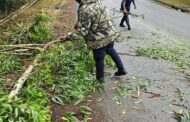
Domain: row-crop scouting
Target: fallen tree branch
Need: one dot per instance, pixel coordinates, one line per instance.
(24, 49)
(22, 45)
(9, 49)
(19, 54)
(28, 72)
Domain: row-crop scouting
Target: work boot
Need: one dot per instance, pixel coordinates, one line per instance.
(121, 25)
(120, 72)
(101, 80)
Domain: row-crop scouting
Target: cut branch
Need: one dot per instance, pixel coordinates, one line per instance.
(22, 45)
(18, 86)
(19, 54)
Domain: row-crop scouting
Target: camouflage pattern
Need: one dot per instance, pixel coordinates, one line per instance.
(94, 24)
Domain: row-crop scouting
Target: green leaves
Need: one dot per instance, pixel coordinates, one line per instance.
(86, 111)
(68, 71)
(57, 100)
(71, 116)
(9, 63)
(17, 110)
(177, 55)
(40, 31)
(158, 52)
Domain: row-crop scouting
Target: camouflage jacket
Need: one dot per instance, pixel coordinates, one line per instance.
(94, 24)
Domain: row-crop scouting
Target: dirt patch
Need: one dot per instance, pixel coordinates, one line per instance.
(97, 114)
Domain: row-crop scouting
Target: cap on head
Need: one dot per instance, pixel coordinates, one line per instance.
(78, 1)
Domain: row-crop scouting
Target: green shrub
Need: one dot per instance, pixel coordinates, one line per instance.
(40, 30)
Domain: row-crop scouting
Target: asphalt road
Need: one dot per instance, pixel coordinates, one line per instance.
(160, 26)
(161, 17)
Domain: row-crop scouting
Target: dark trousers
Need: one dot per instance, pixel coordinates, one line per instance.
(126, 19)
(99, 55)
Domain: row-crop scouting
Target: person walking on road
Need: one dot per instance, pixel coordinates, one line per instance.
(125, 8)
(95, 26)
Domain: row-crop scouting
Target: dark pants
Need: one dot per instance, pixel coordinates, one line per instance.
(99, 55)
(126, 18)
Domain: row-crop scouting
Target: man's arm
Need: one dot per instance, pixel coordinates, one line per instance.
(133, 1)
(124, 7)
(83, 26)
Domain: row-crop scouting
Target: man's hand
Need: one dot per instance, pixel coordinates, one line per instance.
(126, 12)
(135, 7)
(63, 39)
(75, 26)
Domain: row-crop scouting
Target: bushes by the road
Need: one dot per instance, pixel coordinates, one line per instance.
(7, 5)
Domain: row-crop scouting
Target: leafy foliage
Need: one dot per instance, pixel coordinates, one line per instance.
(67, 72)
(38, 32)
(71, 116)
(158, 52)
(9, 63)
(18, 110)
(172, 54)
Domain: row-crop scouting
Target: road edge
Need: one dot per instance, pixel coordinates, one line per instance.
(173, 6)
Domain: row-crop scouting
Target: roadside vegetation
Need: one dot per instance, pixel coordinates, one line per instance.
(8, 6)
(63, 75)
